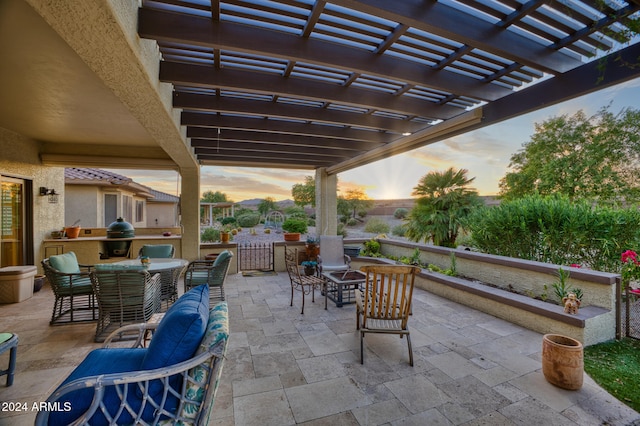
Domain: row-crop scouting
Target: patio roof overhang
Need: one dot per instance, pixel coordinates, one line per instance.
(301, 84)
(342, 83)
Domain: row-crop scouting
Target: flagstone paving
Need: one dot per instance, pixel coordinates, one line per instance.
(284, 368)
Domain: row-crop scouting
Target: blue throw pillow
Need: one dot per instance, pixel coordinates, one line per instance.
(180, 331)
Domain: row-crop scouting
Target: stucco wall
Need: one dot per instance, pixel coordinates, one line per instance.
(20, 159)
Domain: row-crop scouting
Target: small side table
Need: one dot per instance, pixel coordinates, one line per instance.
(9, 341)
(341, 286)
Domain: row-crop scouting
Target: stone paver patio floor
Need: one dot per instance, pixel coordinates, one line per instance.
(284, 368)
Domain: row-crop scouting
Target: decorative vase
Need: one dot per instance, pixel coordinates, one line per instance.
(312, 251)
(562, 361)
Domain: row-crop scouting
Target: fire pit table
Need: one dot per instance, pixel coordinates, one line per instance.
(341, 287)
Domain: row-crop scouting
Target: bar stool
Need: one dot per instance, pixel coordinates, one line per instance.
(9, 341)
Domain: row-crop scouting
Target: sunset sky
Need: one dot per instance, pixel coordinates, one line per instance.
(485, 153)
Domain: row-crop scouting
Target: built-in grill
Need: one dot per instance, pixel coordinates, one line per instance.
(117, 231)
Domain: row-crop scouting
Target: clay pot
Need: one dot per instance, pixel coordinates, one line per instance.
(72, 231)
(562, 361)
(224, 237)
(292, 236)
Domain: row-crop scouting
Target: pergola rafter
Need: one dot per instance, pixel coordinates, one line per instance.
(339, 83)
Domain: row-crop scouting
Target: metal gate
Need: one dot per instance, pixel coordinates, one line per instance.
(255, 256)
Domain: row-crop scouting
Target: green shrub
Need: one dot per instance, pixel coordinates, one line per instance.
(377, 226)
(228, 220)
(399, 230)
(342, 230)
(371, 248)
(249, 220)
(294, 224)
(400, 213)
(556, 230)
(352, 221)
(362, 213)
(295, 211)
(210, 235)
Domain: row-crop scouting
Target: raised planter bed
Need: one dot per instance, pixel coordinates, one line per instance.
(593, 324)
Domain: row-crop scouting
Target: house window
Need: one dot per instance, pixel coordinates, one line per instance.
(139, 211)
(127, 207)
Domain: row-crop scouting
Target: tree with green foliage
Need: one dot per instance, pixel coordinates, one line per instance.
(594, 158)
(266, 205)
(304, 193)
(445, 200)
(214, 197)
(357, 201)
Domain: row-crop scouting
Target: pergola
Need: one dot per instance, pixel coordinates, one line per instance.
(312, 84)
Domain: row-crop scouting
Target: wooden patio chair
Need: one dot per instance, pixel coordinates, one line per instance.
(385, 303)
(305, 283)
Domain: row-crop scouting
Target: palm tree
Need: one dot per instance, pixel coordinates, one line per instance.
(444, 201)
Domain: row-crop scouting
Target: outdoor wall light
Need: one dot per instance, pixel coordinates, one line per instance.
(51, 193)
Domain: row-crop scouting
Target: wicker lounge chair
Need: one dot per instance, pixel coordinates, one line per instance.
(125, 296)
(212, 272)
(71, 285)
(173, 381)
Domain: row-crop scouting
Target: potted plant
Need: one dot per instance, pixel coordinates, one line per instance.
(225, 233)
(293, 227)
(312, 246)
(309, 267)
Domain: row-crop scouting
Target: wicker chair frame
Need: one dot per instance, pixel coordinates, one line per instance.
(74, 297)
(211, 361)
(124, 297)
(213, 272)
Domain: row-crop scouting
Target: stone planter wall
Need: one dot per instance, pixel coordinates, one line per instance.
(595, 322)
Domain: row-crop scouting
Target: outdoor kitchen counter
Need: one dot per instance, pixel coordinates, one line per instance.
(88, 249)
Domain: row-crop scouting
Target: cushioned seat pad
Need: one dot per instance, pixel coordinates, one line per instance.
(100, 361)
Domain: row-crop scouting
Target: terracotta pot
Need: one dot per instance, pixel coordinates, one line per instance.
(562, 361)
(292, 236)
(224, 237)
(72, 231)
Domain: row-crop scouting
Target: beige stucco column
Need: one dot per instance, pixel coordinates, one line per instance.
(190, 213)
(326, 203)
